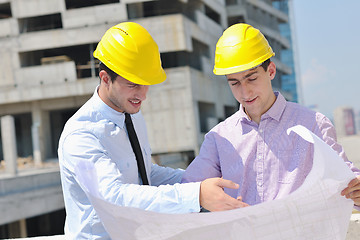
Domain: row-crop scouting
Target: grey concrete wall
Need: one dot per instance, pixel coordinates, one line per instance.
(26, 196)
(30, 8)
(83, 17)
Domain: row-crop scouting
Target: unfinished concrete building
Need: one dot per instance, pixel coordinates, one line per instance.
(47, 72)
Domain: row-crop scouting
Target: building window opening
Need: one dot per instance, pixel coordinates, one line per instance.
(184, 58)
(200, 48)
(70, 4)
(234, 20)
(212, 14)
(23, 123)
(58, 119)
(86, 65)
(5, 11)
(207, 116)
(48, 224)
(230, 110)
(159, 8)
(231, 2)
(40, 23)
(174, 159)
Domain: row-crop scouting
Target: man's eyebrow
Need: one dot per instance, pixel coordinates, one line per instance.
(131, 83)
(249, 74)
(232, 80)
(246, 76)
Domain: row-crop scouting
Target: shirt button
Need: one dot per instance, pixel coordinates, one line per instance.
(260, 130)
(259, 184)
(259, 157)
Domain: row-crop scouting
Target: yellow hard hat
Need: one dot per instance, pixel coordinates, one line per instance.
(129, 50)
(240, 48)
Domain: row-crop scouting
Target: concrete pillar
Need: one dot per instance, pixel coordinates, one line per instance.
(40, 131)
(17, 229)
(36, 136)
(22, 226)
(92, 62)
(8, 137)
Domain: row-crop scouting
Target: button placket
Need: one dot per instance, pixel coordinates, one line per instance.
(260, 161)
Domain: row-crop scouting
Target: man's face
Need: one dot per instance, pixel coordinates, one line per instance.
(252, 88)
(123, 95)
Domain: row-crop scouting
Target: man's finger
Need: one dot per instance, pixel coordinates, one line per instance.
(228, 184)
(230, 204)
(353, 182)
(238, 204)
(348, 190)
(354, 194)
(353, 185)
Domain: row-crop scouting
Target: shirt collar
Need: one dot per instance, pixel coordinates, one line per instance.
(274, 112)
(277, 108)
(243, 115)
(107, 112)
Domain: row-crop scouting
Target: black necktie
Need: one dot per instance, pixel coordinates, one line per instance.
(136, 148)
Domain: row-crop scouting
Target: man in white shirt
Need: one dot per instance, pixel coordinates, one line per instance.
(130, 62)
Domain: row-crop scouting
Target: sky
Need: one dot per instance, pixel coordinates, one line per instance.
(328, 53)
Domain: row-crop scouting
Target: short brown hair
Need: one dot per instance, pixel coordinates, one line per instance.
(266, 64)
(111, 73)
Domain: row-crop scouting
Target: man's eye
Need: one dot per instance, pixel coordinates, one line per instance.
(252, 79)
(234, 83)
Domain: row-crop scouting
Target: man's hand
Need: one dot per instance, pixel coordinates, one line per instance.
(353, 190)
(213, 197)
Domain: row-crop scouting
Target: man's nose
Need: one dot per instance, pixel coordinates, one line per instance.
(245, 90)
(142, 91)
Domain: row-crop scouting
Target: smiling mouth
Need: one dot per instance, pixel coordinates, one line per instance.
(135, 102)
(251, 100)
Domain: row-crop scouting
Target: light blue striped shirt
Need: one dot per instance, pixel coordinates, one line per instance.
(97, 133)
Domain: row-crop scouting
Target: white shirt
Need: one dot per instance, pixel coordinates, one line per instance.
(97, 133)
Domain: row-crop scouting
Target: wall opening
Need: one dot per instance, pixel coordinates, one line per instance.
(212, 14)
(40, 23)
(230, 110)
(49, 224)
(5, 10)
(184, 58)
(207, 116)
(58, 119)
(161, 7)
(234, 20)
(86, 65)
(70, 4)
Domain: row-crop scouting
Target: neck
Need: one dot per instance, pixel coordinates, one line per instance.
(257, 118)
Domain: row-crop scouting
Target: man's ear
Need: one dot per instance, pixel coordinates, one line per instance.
(272, 70)
(105, 78)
